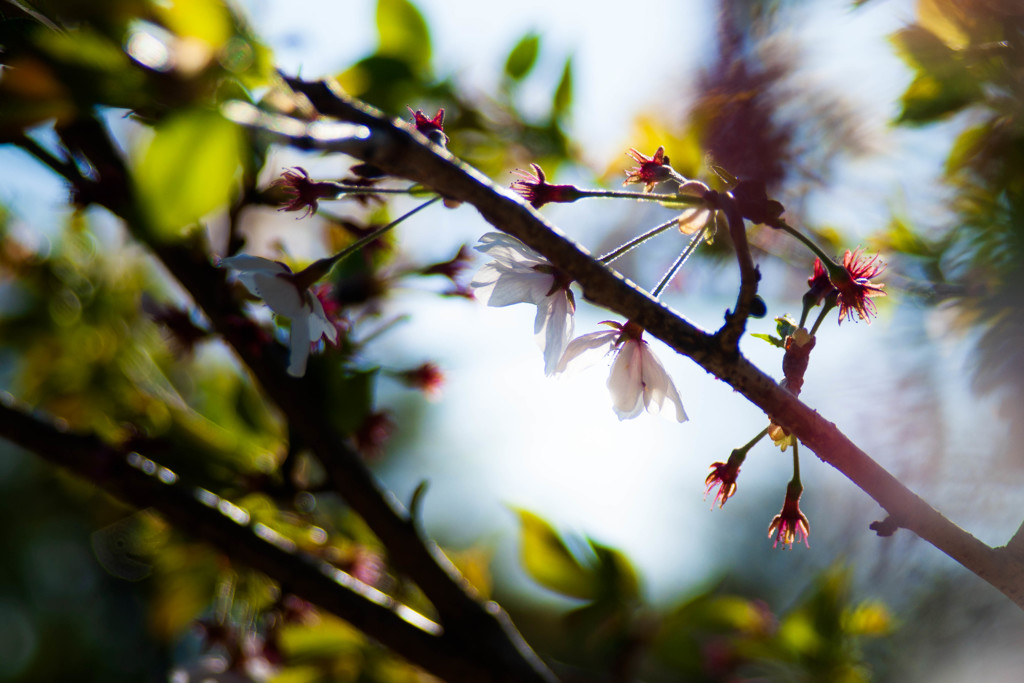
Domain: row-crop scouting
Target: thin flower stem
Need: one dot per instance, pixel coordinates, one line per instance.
(363, 241)
(690, 248)
(825, 259)
(753, 442)
(796, 465)
(686, 200)
(636, 242)
(415, 190)
(825, 308)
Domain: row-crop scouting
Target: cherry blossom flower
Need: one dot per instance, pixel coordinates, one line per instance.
(638, 380)
(723, 475)
(433, 128)
(301, 193)
(520, 275)
(534, 188)
(819, 286)
(853, 281)
(427, 377)
(274, 282)
(790, 526)
(651, 171)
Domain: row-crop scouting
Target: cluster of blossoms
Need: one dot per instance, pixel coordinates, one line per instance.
(637, 380)
(517, 274)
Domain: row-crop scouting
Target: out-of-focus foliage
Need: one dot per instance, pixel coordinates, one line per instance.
(968, 60)
(709, 636)
(493, 134)
(92, 333)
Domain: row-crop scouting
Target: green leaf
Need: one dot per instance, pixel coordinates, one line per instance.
(522, 57)
(403, 33)
(616, 576)
(928, 98)
(188, 170)
(774, 341)
(549, 561)
(562, 100)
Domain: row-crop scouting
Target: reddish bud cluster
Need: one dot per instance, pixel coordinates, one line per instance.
(534, 188)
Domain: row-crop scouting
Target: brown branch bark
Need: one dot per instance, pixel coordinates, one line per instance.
(490, 647)
(402, 152)
(406, 632)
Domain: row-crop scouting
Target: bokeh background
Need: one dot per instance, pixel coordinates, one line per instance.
(810, 97)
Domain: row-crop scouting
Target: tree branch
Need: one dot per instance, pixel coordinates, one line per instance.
(488, 643)
(144, 484)
(405, 154)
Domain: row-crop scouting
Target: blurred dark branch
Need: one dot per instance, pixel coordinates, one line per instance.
(735, 321)
(402, 152)
(490, 647)
(147, 485)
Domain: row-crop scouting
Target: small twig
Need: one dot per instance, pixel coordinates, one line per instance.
(736, 320)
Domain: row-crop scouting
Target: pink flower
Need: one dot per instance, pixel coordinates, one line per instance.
(433, 128)
(651, 171)
(301, 193)
(790, 526)
(723, 475)
(638, 380)
(853, 281)
(427, 377)
(534, 188)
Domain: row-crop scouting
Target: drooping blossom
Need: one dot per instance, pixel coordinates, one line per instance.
(535, 188)
(373, 434)
(695, 218)
(301, 193)
(818, 286)
(275, 283)
(723, 475)
(427, 377)
(853, 281)
(433, 128)
(637, 381)
(453, 267)
(651, 171)
(790, 526)
(520, 275)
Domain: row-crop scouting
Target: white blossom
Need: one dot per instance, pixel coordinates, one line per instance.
(637, 380)
(520, 275)
(272, 282)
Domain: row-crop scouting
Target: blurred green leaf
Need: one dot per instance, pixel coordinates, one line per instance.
(404, 34)
(617, 579)
(205, 20)
(522, 57)
(774, 341)
(549, 561)
(561, 103)
(188, 170)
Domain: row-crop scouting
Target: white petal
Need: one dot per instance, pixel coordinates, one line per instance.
(585, 350)
(658, 386)
(249, 266)
(283, 297)
(245, 263)
(299, 345)
(625, 381)
(553, 328)
(514, 287)
(508, 250)
(319, 324)
(693, 219)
